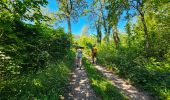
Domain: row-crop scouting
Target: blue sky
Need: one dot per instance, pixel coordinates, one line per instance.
(83, 21)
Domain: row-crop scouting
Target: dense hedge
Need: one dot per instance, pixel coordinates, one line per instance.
(35, 61)
(27, 48)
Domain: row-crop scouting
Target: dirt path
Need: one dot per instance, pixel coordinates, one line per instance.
(130, 91)
(80, 87)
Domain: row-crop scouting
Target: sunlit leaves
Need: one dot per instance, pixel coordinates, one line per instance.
(21, 9)
(71, 8)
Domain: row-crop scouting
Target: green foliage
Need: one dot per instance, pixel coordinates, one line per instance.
(131, 59)
(27, 56)
(34, 58)
(102, 87)
(33, 47)
(130, 63)
(71, 8)
(47, 84)
(87, 42)
(17, 10)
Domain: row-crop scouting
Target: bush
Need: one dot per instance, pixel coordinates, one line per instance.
(33, 47)
(47, 84)
(148, 74)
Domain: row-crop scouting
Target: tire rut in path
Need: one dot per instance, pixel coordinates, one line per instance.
(130, 91)
(80, 88)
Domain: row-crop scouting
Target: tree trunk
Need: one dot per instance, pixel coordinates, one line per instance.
(108, 30)
(98, 29)
(128, 31)
(104, 21)
(107, 33)
(147, 45)
(99, 34)
(69, 25)
(115, 36)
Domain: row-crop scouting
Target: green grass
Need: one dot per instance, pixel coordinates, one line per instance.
(102, 87)
(49, 84)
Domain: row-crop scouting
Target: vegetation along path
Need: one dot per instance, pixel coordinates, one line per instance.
(80, 87)
(130, 91)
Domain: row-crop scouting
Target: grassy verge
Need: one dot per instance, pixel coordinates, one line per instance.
(48, 84)
(102, 87)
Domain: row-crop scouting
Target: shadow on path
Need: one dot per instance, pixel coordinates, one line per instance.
(80, 87)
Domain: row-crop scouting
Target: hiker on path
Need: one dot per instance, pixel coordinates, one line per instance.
(79, 56)
(94, 53)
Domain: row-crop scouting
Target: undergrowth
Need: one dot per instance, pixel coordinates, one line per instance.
(47, 84)
(149, 75)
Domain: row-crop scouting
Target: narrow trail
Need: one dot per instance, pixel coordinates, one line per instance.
(130, 91)
(80, 88)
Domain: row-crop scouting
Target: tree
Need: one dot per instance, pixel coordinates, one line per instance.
(99, 15)
(13, 12)
(85, 30)
(105, 19)
(51, 21)
(156, 17)
(115, 9)
(95, 16)
(98, 28)
(21, 9)
(128, 28)
(70, 10)
(139, 6)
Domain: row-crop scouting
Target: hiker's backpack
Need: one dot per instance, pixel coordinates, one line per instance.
(94, 50)
(79, 53)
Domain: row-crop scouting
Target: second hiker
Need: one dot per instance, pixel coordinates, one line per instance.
(94, 53)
